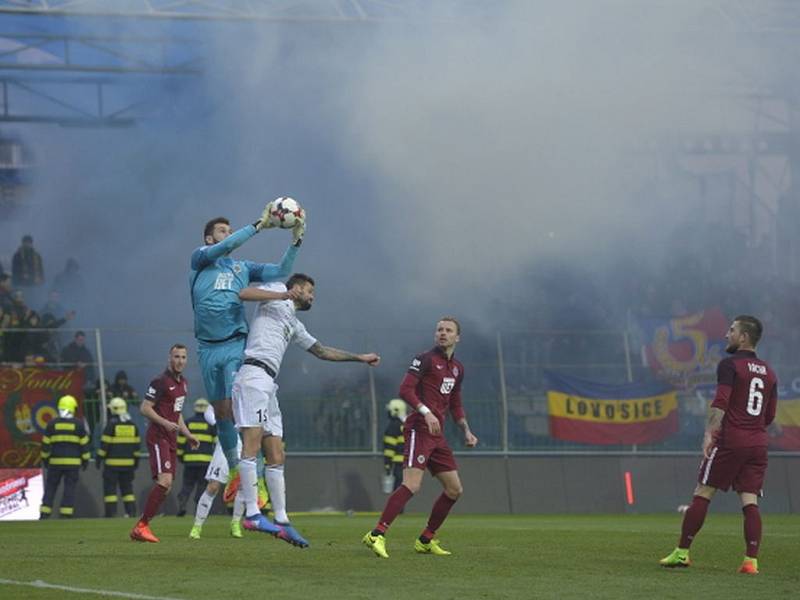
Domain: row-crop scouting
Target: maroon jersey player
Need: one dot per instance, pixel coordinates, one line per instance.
(735, 441)
(432, 387)
(162, 406)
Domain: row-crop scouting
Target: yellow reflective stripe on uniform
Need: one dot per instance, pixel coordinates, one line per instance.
(120, 462)
(389, 439)
(179, 452)
(46, 439)
(66, 510)
(74, 461)
(389, 453)
(72, 439)
(45, 455)
(120, 440)
(197, 458)
(65, 426)
(45, 510)
(198, 426)
(398, 458)
(85, 440)
(86, 456)
(101, 452)
(205, 437)
(181, 439)
(128, 498)
(110, 498)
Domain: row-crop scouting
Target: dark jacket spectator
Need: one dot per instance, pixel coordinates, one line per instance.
(121, 388)
(16, 344)
(26, 266)
(77, 355)
(6, 302)
(69, 281)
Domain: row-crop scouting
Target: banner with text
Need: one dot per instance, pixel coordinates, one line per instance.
(597, 413)
(685, 351)
(28, 398)
(786, 436)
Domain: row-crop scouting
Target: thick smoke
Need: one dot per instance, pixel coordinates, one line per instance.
(445, 162)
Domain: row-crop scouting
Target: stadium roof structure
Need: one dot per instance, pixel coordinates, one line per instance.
(764, 16)
(280, 10)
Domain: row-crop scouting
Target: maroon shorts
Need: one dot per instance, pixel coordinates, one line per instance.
(163, 456)
(425, 451)
(740, 468)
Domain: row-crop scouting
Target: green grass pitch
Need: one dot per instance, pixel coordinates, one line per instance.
(532, 556)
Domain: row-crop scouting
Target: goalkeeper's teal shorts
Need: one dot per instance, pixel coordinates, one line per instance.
(219, 364)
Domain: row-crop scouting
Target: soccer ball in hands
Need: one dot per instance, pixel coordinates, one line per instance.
(286, 213)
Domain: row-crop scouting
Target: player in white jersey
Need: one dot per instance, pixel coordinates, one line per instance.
(217, 475)
(255, 400)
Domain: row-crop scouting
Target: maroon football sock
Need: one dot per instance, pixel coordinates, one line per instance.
(154, 500)
(441, 508)
(693, 520)
(394, 505)
(752, 530)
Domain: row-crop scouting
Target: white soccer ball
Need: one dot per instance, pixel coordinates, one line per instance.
(286, 212)
(682, 508)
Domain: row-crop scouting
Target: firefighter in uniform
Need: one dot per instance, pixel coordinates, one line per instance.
(65, 450)
(393, 446)
(119, 454)
(195, 461)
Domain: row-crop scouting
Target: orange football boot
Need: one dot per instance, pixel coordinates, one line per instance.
(142, 533)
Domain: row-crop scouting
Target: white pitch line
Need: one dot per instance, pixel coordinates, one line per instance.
(43, 584)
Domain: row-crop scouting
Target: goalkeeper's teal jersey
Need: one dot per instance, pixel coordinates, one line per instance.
(215, 281)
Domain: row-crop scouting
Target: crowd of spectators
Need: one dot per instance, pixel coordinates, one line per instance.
(29, 336)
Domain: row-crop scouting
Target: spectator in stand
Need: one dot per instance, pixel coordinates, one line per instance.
(5, 323)
(26, 266)
(35, 347)
(54, 316)
(53, 306)
(69, 281)
(5, 292)
(77, 355)
(20, 316)
(121, 388)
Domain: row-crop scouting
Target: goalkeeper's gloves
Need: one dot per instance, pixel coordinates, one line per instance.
(264, 222)
(298, 231)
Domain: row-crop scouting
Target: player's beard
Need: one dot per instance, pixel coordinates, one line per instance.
(302, 305)
(732, 348)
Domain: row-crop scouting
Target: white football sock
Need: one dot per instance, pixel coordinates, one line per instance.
(273, 475)
(238, 507)
(248, 486)
(203, 508)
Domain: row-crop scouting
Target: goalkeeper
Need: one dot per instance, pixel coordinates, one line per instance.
(220, 325)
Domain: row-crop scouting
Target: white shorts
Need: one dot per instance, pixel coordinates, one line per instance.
(255, 401)
(218, 467)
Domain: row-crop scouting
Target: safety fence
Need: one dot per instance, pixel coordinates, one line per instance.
(340, 407)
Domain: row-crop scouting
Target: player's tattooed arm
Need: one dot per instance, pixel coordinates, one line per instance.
(470, 439)
(713, 425)
(334, 354)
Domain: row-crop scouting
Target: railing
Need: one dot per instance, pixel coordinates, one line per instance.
(337, 407)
